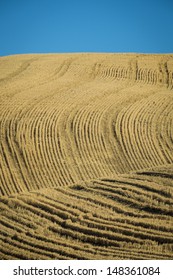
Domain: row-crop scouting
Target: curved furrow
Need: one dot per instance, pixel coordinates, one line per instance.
(133, 129)
(10, 157)
(148, 149)
(137, 199)
(30, 249)
(67, 150)
(139, 127)
(13, 145)
(89, 220)
(96, 135)
(109, 204)
(32, 155)
(81, 144)
(121, 141)
(77, 133)
(139, 133)
(61, 253)
(78, 142)
(66, 245)
(151, 190)
(164, 122)
(54, 228)
(160, 107)
(91, 136)
(137, 202)
(28, 134)
(37, 136)
(77, 160)
(87, 144)
(92, 122)
(17, 154)
(117, 135)
(105, 106)
(89, 227)
(102, 107)
(51, 150)
(14, 253)
(77, 197)
(132, 122)
(54, 146)
(56, 152)
(136, 137)
(129, 137)
(18, 71)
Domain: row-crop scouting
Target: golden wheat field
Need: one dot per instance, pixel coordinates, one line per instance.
(86, 156)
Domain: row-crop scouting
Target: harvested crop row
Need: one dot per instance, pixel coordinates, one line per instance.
(86, 154)
(87, 218)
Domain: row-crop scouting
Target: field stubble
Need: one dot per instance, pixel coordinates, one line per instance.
(86, 156)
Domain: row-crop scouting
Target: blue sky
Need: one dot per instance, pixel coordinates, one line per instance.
(54, 26)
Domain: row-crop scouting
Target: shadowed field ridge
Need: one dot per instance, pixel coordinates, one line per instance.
(86, 156)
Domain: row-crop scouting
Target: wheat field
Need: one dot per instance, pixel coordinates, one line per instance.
(86, 156)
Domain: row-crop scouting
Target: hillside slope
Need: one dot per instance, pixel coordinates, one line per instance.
(86, 156)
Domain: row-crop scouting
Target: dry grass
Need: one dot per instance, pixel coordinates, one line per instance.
(86, 156)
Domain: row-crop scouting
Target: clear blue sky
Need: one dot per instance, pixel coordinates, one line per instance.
(55, 26)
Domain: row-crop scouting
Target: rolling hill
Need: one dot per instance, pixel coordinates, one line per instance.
(86, 156)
